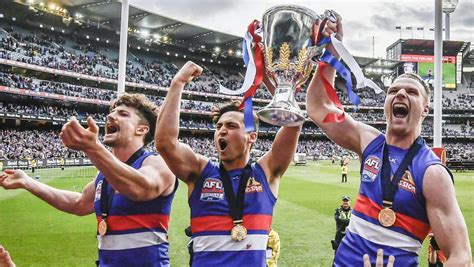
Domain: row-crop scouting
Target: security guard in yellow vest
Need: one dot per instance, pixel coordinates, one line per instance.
(61, 163)
(344, 170)
(33, 165)
(342, 217)
(273, 248)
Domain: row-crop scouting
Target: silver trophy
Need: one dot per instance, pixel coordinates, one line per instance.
(288, 34)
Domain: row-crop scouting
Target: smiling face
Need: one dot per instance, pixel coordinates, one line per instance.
(230, 138)
(123, 126)
(406, 106)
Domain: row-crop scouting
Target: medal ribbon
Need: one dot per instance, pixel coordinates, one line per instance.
(389, 187)
(106, 197)
(236, 203)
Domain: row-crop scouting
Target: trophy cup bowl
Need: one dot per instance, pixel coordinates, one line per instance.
(287, 35)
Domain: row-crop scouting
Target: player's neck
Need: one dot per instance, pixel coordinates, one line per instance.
(238, 163)
(123, 153)
(401, 141)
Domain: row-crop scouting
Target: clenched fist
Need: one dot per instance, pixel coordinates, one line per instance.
(187, 73)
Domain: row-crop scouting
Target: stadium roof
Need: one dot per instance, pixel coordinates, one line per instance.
(89, 15)
(426, 47)
(106, 14)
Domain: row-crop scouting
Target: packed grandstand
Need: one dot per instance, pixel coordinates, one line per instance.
(48, 74)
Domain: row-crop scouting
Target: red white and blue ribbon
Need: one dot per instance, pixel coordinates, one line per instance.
(345, 73)
(253, 59)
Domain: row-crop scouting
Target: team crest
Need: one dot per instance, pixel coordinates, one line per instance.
(372, 166)
(407, 183)
(98, 190)
(253, 186)
(212, 190)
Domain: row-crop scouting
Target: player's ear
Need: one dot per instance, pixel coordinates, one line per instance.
(253, 137)
(142, 129)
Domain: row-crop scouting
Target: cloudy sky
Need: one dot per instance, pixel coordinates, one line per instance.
(363, 20)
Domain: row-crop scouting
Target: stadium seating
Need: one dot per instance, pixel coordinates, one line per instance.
(27, 91)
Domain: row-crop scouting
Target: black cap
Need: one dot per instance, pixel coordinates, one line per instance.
(346, 198)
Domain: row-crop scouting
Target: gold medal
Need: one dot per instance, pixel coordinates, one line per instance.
(239, 232)
(102, 228)
(387, 217)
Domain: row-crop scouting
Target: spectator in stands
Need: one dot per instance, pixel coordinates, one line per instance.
(141, 211)
(205, 179)
(406, 106)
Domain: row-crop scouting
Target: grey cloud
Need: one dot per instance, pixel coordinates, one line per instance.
(463, 15)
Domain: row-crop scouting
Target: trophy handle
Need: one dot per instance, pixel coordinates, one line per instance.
(318, 27)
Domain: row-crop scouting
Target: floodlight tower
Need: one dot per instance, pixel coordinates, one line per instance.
(123, 48)
(448, 7)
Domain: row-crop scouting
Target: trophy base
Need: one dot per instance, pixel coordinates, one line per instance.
(281, 117)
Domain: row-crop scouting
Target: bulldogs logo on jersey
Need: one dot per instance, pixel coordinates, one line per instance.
(98, 190)
(253, 186)
(212, 190)
(372, 166)
(407, 183)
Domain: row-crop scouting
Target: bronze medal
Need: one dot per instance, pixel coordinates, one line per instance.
(238, 233)
(102, 228)
(387, 217)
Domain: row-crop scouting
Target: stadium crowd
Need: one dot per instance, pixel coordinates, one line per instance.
(44, 144)
(82, 56)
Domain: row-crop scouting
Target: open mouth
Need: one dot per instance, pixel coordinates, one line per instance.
(110, 128)
(222, 144)
(400, 110)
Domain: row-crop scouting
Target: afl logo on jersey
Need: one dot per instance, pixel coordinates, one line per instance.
(212, 190)
(372, 166)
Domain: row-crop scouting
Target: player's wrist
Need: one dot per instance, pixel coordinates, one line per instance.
(28, 183)
(92, 148)
(178, 82)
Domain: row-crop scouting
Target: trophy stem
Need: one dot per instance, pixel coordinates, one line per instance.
(283, 109)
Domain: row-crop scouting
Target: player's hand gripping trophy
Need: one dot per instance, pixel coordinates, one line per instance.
(290, 37)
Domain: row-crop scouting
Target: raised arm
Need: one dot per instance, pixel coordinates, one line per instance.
(278, 158)
(349, 133)
(445, 217)
(67, 201)
(180, 158)
(148, 182)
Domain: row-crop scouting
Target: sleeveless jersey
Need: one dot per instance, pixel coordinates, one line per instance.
(211, 222)
(137, 232)
(365, 234)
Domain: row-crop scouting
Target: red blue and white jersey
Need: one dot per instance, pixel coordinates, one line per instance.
(211, 222)
(137, 232)
(365, 234)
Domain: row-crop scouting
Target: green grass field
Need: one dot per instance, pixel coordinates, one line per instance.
(38, 235)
